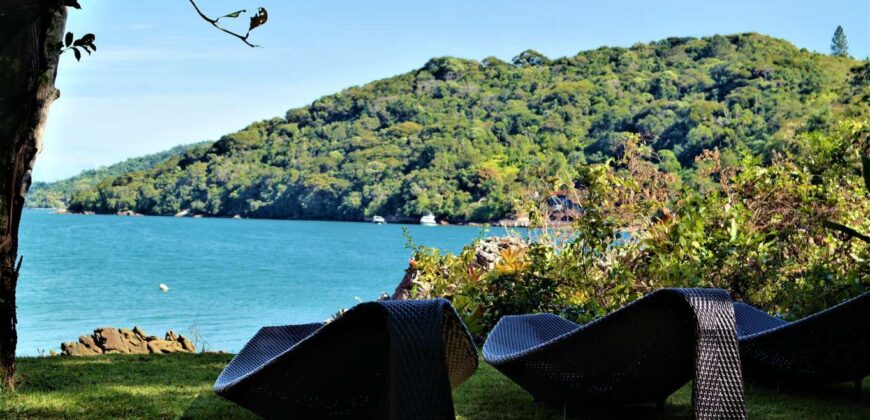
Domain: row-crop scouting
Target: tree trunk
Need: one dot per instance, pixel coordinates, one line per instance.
(29, 33)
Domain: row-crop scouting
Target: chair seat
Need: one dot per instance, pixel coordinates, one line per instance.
(638, 354)
(386, 359)
(830, 346)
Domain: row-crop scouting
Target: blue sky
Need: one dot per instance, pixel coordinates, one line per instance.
(163, 77)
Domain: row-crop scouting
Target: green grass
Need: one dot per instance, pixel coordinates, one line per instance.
(491, 395)
(174, 386)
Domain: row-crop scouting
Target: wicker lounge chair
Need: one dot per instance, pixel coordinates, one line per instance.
(638, 354)
(827, 347)
(390, 359)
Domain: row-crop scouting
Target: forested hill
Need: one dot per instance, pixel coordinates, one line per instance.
(57, 194)
(462, 138)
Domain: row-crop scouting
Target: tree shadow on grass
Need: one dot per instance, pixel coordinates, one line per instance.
(148, 386)
(491, 395)
(180, 386)
(64, 373)
(210, 406)
(829, 401)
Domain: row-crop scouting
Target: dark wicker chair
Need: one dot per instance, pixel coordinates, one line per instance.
(638, 354)
(827, 347)
(390, 359)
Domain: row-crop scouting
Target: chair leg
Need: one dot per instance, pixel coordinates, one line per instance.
(859, 384)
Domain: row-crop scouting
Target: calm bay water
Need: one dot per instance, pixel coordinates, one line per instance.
(226, 277)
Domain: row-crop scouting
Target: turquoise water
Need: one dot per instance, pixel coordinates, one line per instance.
(226, 277)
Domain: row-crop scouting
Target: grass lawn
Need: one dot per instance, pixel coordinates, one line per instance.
(175, 386)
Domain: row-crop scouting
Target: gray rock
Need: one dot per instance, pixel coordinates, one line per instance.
(164, 347)
(89, 343)
(139, 332)
(111, 340)
(186, 344)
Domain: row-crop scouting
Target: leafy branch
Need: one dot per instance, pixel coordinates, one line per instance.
(257, 20)
(850, 232)
(86, 43)
(69, 43)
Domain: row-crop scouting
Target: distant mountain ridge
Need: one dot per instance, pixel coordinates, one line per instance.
(463, 139)
(57, 194)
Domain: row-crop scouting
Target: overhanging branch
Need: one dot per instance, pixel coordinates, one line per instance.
(214, 22)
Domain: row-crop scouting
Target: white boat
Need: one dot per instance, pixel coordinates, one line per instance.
(378, 220)
(428, 220)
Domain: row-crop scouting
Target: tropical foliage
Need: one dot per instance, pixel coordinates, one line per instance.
(756, 230)
(467, 139)
(57, 194)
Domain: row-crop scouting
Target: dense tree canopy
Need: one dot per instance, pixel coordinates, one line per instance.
(57, 194)
(762, 232)
(464, 139)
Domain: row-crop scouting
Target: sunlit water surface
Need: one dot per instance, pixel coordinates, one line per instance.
(226, 277)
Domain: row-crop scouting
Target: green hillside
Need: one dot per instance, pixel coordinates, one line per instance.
(57, 194)
(463, 139)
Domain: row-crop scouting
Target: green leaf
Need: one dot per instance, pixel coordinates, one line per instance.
(733, 230)
(72, 3)
(235, 14)
(866, 161)
(77, 53)
(259, 19)
(69, 39)
(85, 40)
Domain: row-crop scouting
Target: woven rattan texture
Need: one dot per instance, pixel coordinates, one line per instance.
(390, 359)
(717, 389)
(639, 354)
(751, 320)
(827, 347)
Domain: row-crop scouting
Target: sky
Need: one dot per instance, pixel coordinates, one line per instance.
(163, 77)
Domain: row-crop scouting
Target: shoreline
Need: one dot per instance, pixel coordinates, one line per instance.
(408, 221)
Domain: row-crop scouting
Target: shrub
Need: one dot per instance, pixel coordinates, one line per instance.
(760, 232)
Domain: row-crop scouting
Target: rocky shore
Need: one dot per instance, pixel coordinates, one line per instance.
(401, 220)
(110, 340)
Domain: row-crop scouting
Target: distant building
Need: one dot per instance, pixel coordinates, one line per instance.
(562, 208)
(518, 219)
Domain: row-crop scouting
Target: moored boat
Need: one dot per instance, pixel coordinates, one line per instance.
(428, 220)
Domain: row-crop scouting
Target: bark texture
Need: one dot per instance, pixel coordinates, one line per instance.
(29, 33)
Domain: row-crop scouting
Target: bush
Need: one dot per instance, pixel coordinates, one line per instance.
(760, 232)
